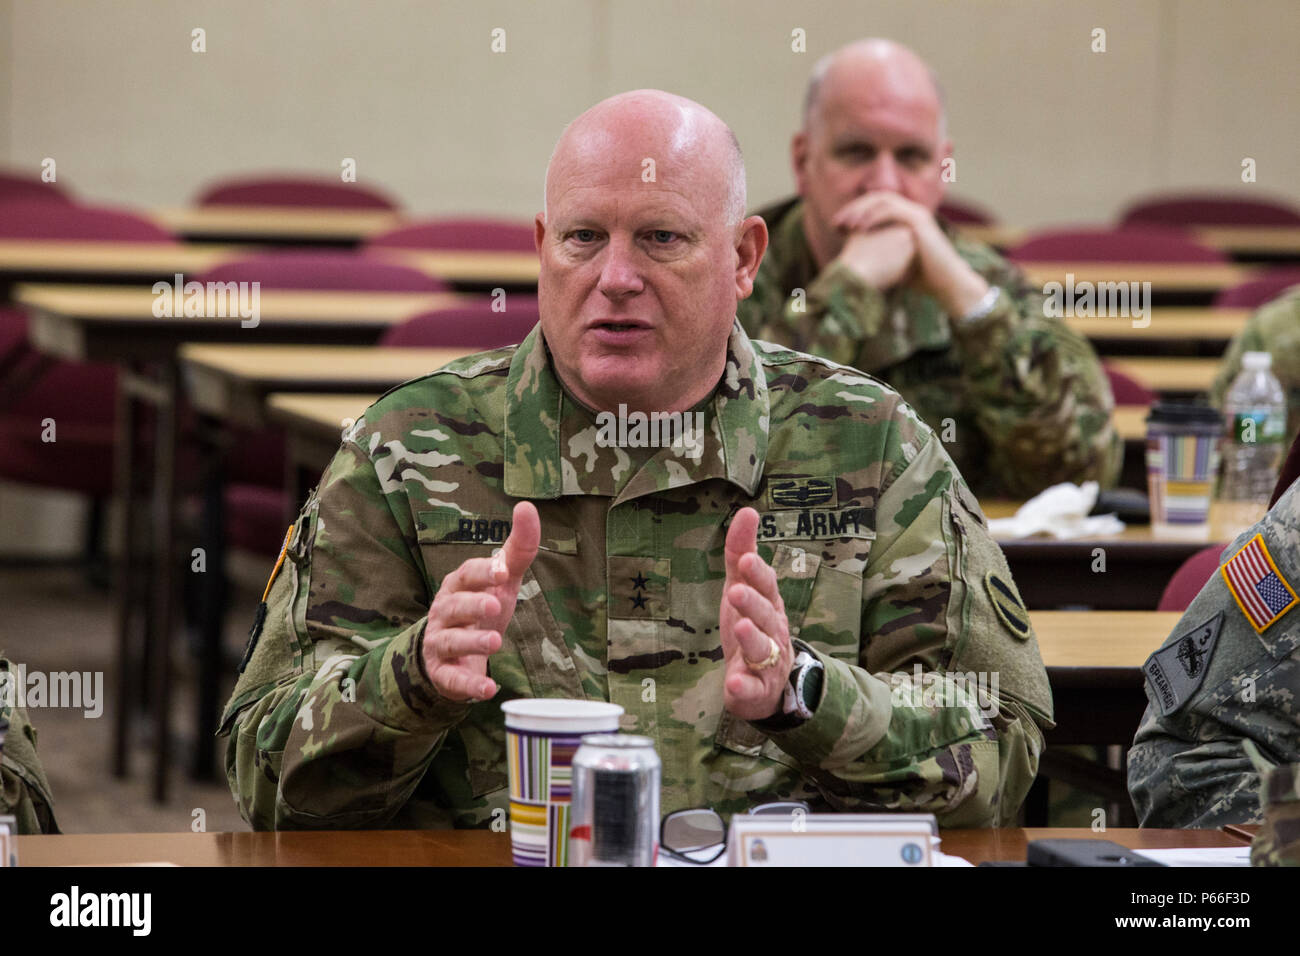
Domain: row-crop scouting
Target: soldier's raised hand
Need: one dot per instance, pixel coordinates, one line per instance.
(472, 608)
(755, 632)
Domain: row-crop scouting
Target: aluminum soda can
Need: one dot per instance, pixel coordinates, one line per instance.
(614, 820)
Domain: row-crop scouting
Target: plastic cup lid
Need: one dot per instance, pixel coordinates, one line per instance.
(556, 715)
(1174, 413)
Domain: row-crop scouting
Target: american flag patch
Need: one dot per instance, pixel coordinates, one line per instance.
(1254, 580)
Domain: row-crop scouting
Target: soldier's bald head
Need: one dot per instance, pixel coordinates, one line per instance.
(876, 67)
(650, 133)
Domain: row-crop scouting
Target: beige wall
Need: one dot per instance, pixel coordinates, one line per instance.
(1046, 130)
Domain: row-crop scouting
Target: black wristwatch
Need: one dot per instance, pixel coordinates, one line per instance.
(803, 691)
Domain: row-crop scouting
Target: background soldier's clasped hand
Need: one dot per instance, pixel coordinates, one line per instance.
(752, 612)
(472, 608)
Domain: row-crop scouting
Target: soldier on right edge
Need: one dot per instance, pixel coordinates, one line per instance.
(1220, 740)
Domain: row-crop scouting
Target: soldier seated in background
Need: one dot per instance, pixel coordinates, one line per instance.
(860, 270)
(1226, 683)
(24, 791)
(786, 603)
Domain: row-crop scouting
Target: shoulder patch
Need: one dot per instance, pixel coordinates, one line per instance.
(1006, 601)
(1176, 671)
(1259, 588)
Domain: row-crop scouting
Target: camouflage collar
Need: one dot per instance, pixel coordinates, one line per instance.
(735, 445)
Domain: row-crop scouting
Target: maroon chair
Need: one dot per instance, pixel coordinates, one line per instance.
(1190, 577)
(484, 234)
(19, 186)
(79, 396)
(1126, 389)
(42, 219)
(1290, 471)
(254, 492)
(320, 191)
(959, 211)
(474, 325)
(1255, 292)
(1128, 244)
(1198, 209)
(326, 270)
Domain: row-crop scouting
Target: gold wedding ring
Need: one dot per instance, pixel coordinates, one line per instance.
(769, 661)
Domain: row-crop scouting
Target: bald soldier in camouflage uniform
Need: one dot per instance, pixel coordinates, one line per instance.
(816, 515)
(1228, 676)
(859, 270)
(1274, 328)
(24, 791)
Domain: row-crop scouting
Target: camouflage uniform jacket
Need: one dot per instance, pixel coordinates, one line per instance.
(1020, 401)
(882, 553)
(1220, 680)
(1274, 328)
(24, 791)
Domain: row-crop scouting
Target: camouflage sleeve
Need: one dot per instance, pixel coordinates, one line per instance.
(943, 712)
(1040, 395)
(24, 791)
(333, 721)
(1274, 328)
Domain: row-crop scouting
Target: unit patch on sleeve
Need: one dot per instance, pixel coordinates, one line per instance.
(1177, 669)
(1261, 591)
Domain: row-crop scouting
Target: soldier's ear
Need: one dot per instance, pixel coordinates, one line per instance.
(539, 231)
(751, 243)
(799, 160)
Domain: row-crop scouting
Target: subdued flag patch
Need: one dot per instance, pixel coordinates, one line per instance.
(1259, 588)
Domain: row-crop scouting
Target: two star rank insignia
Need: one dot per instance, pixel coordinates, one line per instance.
(638, 587)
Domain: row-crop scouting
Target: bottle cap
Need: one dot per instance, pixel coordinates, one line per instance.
(1257, 361)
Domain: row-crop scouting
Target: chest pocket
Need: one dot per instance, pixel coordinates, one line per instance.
(534, 660)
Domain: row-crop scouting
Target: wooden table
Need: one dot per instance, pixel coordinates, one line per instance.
(473, 847)
(59, 260)
(1139, 561)
(1167, 325)
(115, 323)
(232, 382)
(1172, 283)
(105, 261)
(1094, 661)
(1169, 374)
(1281, 243)
(292, 225)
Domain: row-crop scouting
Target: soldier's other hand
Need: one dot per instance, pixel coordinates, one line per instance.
(940, 270)
(752, 611)
(472, 608)
(882, 258)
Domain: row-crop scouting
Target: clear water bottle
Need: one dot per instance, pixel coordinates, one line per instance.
(1255, 414)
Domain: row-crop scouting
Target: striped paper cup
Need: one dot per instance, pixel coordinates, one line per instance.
(1182, 458)
(542, 735)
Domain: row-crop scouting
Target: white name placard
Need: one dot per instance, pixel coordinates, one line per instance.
(833, 839)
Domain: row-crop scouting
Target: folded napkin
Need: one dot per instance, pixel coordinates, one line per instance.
(1061, 511)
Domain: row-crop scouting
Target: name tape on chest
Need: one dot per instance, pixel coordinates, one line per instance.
(811, 524)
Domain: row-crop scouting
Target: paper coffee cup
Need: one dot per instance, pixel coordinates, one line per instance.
(542, 735)
(1182, 459)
